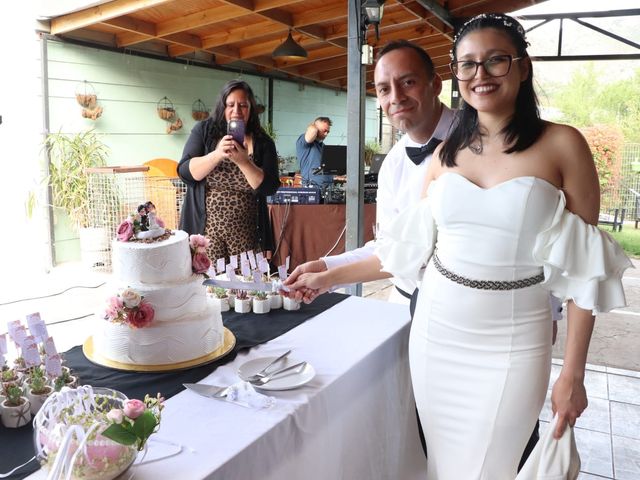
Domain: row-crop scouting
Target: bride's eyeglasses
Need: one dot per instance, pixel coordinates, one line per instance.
(496, 66)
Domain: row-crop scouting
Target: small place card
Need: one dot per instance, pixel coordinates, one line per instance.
(30, 352)
(282, 272)
(234, 261)
(50, 346)
(286, 262)
(243, 257)
(19, 334)
(231, 275)
(3, 344)
(11, 328)
(252, 259)
(245, 269)
(263, 265)
(53, 365)
(259, 257)
(220, 265)
(257, 276)
(37, 326)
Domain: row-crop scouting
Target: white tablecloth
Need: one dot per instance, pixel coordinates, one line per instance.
(355, 420)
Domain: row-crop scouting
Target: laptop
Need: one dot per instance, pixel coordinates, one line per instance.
(334, 160)
(376, 162)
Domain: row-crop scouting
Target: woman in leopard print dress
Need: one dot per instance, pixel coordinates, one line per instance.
(227, 183)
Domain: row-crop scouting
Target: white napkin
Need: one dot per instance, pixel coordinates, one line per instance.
(553, 459)
(243, 393)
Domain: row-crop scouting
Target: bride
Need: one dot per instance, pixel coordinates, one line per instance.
(511, 203)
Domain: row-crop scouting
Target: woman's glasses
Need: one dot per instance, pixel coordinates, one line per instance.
(241, 106)
(496, 66)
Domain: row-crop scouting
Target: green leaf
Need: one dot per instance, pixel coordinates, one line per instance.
(144, 425)
(119, 434)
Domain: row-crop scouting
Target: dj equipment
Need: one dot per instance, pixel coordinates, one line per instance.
(296, 195)
(336, 193)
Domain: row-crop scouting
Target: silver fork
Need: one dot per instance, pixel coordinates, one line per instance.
(263, 373)
(298, 367)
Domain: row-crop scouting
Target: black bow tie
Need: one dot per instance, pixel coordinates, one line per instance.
(418, 154)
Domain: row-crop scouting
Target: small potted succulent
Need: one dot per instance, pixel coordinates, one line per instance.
(231, 297)
(221, 298)
(20, 365)
(242, 303)
(10, 375)
(37, 389)
(290, 304)
(276, 300)
(261, 304)
(65, 380)
(16, 410)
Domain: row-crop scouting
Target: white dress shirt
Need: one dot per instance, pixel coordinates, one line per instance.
(400, 183)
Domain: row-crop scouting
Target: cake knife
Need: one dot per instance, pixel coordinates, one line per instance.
(273, 286)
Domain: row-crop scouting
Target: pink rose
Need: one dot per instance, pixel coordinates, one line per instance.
(134, 408)
(160, 222)
(115, 415)
(142, 316)
(115, 306)
(196, 241)
(200, 263)
(125, 231)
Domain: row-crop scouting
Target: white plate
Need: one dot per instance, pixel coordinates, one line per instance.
(284, 382)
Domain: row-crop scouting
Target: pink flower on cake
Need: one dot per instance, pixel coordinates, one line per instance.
(160, 222)
(199, 241)
(200, 263)
(131, 298)
(125, 230)
(129, 308)
(142, 316)
(134, 408)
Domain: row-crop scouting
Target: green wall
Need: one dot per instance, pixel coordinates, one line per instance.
(128, 88)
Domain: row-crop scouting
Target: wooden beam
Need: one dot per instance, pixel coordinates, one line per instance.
(200, 19)
(132, 25)
(100, 13)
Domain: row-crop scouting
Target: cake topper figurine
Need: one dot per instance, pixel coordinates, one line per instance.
(142, 225)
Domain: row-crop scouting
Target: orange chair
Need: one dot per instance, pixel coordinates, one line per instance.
(159, 188)
(162, 167)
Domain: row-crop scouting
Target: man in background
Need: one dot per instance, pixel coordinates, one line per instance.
(309, 148)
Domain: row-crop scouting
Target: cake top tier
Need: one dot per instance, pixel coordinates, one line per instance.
(164, 261)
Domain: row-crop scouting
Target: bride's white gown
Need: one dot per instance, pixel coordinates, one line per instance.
(480, 359)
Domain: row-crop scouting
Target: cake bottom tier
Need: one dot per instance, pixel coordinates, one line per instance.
(163, 343)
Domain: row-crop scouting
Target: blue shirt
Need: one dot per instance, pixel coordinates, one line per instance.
(309, 157)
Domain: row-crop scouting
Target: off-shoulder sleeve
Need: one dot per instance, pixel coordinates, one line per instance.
(408, 244)
(581, 262)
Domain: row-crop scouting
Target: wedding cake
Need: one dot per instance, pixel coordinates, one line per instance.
(160, 313)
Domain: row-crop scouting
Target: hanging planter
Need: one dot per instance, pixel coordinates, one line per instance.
(92, 114)
(86, 95)
(199, 111)
(175, 126)
(165, 109)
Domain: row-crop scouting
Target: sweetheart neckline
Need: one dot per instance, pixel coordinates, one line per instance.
(499, 184)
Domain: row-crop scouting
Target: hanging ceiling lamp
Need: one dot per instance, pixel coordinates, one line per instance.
(290, 49)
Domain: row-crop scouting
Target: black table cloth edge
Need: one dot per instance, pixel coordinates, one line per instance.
(250, 329)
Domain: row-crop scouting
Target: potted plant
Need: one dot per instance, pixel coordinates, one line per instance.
(16, 410)
(70, 157)
(65, 380)
(20, 365)
(242, 303)
(10, 375)
(370, 149)
(290, 304)
(221, 299)
(231, 297)
(261, 304)
(37, 389)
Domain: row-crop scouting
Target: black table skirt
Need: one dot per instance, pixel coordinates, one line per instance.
(16, 445)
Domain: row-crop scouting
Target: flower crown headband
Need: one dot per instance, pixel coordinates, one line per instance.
(506, 20)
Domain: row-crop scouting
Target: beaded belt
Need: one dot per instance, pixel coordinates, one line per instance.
(487, 284)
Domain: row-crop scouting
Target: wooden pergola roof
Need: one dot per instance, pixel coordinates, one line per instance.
(241, 34)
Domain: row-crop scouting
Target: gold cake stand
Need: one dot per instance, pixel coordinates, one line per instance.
(94, 357)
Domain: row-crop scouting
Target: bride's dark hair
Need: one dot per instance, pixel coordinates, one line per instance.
(525, 126)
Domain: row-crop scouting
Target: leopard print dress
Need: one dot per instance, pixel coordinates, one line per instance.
(231, 211)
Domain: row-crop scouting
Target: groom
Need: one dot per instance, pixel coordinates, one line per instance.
(407, 88)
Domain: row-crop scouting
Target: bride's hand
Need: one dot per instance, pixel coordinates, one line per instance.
(568, 400)
(310, 285)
